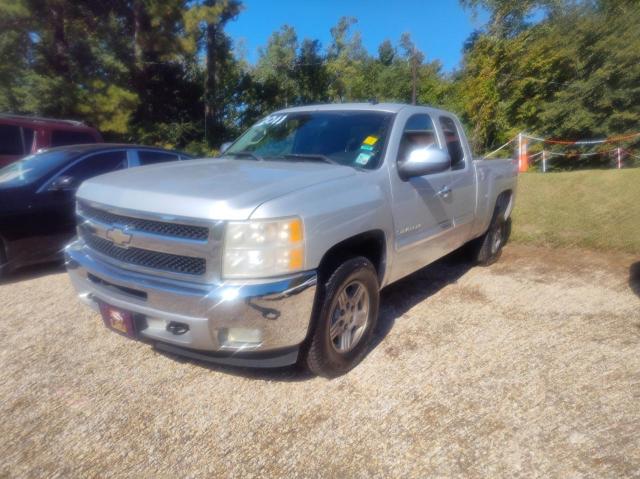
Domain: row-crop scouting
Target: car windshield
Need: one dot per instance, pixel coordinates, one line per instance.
(33, 167)
(351, 138)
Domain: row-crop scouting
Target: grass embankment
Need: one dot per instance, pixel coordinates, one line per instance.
(597, 209)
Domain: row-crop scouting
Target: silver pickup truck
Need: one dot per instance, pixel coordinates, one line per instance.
(275, 253)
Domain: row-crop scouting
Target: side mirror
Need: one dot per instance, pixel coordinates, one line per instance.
(422, 161)
(225, 146)
(63, 183)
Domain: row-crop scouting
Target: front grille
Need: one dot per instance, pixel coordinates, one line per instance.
(176, 230)
(148, 259)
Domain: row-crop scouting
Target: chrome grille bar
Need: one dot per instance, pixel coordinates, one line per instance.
(147, 259)
(173, 248)
(199, 233)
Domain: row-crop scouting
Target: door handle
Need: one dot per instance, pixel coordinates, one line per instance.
(444, 191)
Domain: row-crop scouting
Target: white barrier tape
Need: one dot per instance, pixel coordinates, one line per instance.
(496, 151)
(583, 142)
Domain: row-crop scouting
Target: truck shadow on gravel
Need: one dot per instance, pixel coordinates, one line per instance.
(399, 297)
(395, 301)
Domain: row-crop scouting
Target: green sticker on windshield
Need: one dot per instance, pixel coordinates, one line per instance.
(366, 147)
(363, 158)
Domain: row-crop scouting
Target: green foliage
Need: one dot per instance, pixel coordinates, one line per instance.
(575, 74)
(110, 106)
(276, 64)
(165, 72)
(508, 17)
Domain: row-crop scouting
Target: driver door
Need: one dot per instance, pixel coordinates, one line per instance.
(422, 219)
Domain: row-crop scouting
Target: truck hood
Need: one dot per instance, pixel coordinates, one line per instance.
(214, 189)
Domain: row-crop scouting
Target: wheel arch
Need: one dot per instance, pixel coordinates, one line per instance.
(504, 203)
(369, 244)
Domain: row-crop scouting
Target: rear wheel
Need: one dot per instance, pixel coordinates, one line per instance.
(346, 318)
(488, 247)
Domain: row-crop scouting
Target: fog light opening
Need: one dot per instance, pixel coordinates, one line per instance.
(240, 338)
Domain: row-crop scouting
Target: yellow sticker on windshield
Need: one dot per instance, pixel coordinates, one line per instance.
(370, 140)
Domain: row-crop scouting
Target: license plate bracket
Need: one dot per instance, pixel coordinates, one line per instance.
(118, 320)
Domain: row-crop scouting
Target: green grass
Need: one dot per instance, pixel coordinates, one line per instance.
(596, 209)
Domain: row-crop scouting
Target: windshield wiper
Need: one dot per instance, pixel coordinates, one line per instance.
(246, 154)
(311, 157)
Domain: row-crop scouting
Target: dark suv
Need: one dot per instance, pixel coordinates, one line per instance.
(37, 195)
(23, 135)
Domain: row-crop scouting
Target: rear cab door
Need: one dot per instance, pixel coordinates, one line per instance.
(461, 204)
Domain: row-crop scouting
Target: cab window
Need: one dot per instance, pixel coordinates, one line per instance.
(454, 145)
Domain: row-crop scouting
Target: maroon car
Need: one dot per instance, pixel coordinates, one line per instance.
(22, 135)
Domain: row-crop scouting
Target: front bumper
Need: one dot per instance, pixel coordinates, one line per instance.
(244, 324)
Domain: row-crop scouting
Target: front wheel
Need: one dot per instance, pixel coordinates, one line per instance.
(346, 318)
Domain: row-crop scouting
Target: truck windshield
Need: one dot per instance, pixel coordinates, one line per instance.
(33, 167)
(351, 138)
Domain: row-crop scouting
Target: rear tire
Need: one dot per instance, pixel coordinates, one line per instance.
(487, 249)
(346, 317)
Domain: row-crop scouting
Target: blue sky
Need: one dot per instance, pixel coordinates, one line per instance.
(439, 28)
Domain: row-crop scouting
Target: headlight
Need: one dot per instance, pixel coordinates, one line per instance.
(257, 249)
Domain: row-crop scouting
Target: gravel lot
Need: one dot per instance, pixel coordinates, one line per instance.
(528, 368)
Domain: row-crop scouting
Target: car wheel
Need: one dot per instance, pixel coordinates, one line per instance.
(346, 317)
(488, 247)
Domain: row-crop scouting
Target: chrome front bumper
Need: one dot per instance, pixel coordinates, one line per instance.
(246, 324)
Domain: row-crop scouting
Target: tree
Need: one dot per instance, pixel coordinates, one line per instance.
(345, 60)
(311, 75)
(277, 64)
(386, 53)
(205, 26)
(508, 17)
(415, 58)
(574, 74)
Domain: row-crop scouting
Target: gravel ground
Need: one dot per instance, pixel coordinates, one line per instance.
(528, 368)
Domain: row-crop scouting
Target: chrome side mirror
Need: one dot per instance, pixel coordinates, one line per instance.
(422, 161)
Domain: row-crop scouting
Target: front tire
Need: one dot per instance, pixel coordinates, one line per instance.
(346, 317)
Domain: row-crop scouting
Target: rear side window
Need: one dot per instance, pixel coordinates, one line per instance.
(151, 157)
(10, 140)
(70, 137)
(454, 145)
(97, 164)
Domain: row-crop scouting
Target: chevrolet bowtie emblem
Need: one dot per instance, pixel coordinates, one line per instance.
(119, 237)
